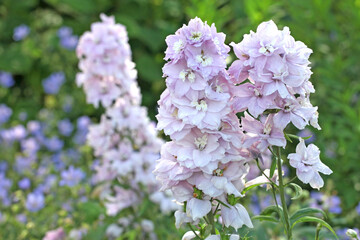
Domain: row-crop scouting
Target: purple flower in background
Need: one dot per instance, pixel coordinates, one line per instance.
(307, 133)
(57, 234)
(53, 83)
(30, 146)
(3, 166)
(358, 208)
(64, 32)
(34, 127)
(69, 42)
(83, 123)
(35, 201)
(6, 79)
(5, 113)
(5, 184)
(54, 144)
(67, 39)
(65, 127)
(21, 218)
(24, 183)
(71, 177)
(20, 32)
(333, 204)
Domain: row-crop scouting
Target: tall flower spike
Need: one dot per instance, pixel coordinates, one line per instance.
(203, 161)
(125, 140)
(278, 93)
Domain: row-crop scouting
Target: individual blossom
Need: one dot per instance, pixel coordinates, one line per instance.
(308, 165)
(262, 134)
(5, 113)
(72, 176)
(24, 183)
(57, 234)
(65, 127)
(6, 79)
(35, 202)
(53, 83)
(21, 32)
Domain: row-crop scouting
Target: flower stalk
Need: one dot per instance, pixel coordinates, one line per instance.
(282, 196)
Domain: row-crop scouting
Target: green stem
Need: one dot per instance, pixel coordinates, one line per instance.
(282, 196)
(210, 217)
(317, 233)
(193, 230)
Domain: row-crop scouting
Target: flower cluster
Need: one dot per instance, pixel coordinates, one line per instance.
(277, 92)
(105, 61)
(125, 141)
(204, 163)
(67, 39)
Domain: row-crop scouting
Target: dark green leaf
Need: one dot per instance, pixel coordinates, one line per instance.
(265, 218)
(305, 212)
(316, 220)
(298, 190)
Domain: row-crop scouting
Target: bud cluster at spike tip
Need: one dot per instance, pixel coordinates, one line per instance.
(125, 141)
(203, 161)
(105, 61)
(278, 71)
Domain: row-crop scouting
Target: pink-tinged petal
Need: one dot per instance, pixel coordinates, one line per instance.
(316, 182)
(281, 119)
(305, 177)
(198, 208)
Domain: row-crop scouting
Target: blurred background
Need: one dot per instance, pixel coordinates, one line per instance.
(38, 67)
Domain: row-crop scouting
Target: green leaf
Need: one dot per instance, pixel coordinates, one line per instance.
(265, 218)
(298, 190)
(272, 209)
(272, 168)
(305, 212)
(288, 138)
(316, 220)
(252, 186)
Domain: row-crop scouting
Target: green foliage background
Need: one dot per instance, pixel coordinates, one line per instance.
(331, 28)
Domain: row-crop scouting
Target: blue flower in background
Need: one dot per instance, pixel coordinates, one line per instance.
(21, 32)
(65, 127)
(71, 177)
(64, 32)
(5, 113)
(53, 83)
(67, 39)
(24, 183)
(307, 133)
(342, 233)
(35, 201)
(70, 42)
(54, 144)
(3, 166)
(358, 208)
(333, 204)
(6, 79)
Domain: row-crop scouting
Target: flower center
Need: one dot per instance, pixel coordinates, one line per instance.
(267, 129)
(199, 105)
(178, 46)
(267, 49)
(201, 142)
(257, 92)
(187, 75)
(218, 172)
(196, 36)
(204, 60)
